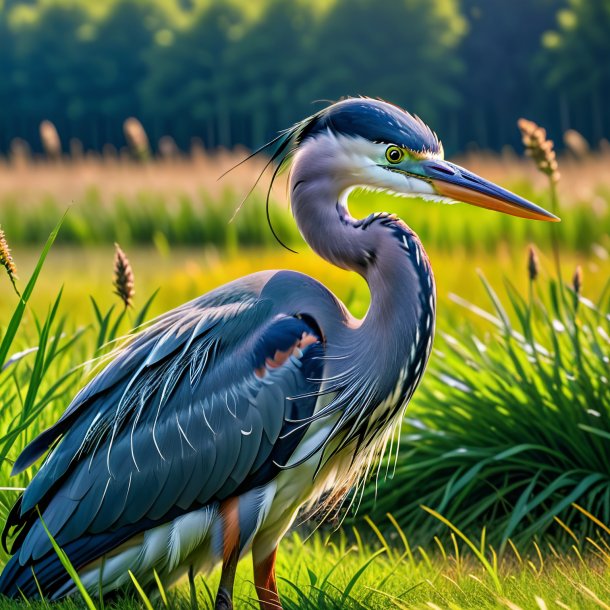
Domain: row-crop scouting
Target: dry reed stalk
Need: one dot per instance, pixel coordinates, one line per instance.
(137, 139)
(76, 149)
(577, 280)
(577, 285)
(576, 144)
(20, 152)
(6, 260)
(533, 265)
(51, 142)
(168, 148)
(539, 148)
(124, 280)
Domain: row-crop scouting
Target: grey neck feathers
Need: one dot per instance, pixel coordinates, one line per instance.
(387, 254)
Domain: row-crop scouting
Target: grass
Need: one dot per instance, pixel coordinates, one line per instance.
(361, 569)
(503, 445)
(444, 566)
(148, 218)
(180, 203)
(512, 424)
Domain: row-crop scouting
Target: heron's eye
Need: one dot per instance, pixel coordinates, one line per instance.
(394, 154)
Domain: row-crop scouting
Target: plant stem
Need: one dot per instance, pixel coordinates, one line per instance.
(554, 236)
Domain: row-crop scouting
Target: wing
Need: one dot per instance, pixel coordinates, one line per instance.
(197, 408)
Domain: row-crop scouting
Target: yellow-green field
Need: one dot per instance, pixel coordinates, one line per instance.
(185, 273)
(537, 389)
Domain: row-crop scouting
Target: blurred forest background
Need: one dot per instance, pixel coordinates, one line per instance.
(231, 72)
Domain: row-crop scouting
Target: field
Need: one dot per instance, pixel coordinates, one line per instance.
(517, 462)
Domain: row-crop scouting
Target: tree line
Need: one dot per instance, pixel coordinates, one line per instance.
(230, 72)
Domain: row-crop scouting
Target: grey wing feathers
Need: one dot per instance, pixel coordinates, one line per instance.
(181, 417)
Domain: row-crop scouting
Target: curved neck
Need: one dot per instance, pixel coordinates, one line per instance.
(374, 364)
(380, 248)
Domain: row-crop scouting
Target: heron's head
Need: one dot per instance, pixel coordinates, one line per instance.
(370, 143)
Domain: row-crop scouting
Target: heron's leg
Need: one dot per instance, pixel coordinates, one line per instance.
(193, 588)
(230, 516)
(265, 583)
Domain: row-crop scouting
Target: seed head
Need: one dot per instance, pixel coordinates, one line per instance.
(124, 281)
(532, 263)
(50, 140)
(577, 280)
(539, 148)
(576, 143)
(6, 259)
(136, 138)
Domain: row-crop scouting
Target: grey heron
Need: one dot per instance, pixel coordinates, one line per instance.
(210, 429)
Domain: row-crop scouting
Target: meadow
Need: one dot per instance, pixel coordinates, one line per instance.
(506, 443)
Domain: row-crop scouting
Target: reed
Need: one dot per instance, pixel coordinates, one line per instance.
(137, 139)
(124, 279)
(6, 260)
(51, 142)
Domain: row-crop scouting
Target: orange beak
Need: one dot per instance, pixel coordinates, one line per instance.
(454, 182)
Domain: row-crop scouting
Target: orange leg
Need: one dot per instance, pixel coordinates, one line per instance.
(230, 515)
(266, 586)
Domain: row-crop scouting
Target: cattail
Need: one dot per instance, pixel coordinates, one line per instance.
(76, 149)
(576, 143)
(539, 148)
(577, 280)
(6, 259)
(20, 152)
(533, 266)
(124, 281)
(168, 148)
(109, 152)
(50, 140)
(136, 138)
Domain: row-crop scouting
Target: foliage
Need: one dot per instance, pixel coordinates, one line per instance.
(346, 571)
(235, 72)
(577, 66)
(200, 220)
(513, 424)
(501, 51)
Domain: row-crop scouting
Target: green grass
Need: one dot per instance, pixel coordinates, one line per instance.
(147, 218)
(345, 571)
(512, 424)
(502, 444)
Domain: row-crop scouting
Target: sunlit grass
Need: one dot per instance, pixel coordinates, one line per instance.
(183, 274)
(375, 566)
(361, 569)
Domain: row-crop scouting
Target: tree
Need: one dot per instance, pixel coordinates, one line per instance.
(270, 69)
(577, 62)
(502, 83)
(403, 51)
(188, 81)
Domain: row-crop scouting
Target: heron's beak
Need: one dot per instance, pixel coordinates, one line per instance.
(454, 182)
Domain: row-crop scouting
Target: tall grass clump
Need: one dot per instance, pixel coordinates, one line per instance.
(512, 424)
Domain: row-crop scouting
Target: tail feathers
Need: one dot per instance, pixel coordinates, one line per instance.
(48, 574)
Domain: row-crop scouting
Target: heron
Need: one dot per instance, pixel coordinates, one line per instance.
(209, 429)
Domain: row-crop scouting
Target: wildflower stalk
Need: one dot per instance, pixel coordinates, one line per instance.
(541, 150)
(6, 260)
(577, 285)
(532, 268)
(124, 280)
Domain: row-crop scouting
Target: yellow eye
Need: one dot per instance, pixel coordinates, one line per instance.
(394, 154)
